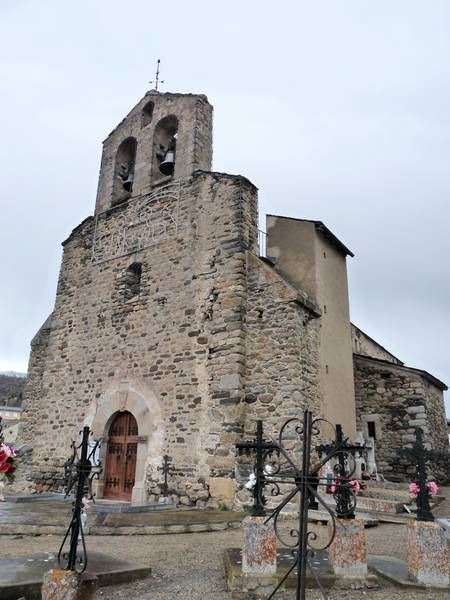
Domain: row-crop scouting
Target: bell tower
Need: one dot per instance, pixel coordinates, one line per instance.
(165, 137)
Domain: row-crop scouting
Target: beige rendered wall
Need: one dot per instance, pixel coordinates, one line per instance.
(335, 336)
(312, 263)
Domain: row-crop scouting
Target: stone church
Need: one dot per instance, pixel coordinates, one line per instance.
(177, 324)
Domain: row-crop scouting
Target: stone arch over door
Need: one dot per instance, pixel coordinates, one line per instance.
(141, 401)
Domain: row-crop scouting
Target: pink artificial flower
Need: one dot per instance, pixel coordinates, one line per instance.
(413, 490)
(5, 452)
(432, 488)
(355, 485)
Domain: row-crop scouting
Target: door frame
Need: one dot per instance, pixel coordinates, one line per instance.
(140, 400)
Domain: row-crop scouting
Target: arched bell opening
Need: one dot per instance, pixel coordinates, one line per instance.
(147, 113)
(124, 170)
(121, 455)
(164, 147)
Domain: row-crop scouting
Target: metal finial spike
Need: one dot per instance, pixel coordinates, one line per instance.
(157, 81)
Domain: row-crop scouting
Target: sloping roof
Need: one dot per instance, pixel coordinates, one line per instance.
(397, 360)
(323, 229)
(428, 376)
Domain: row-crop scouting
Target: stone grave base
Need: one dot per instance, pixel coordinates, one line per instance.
(396, 571)
(264, 584)
(322, 516)
(22, 576)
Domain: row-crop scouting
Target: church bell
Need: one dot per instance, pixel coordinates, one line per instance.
(167, 165)
(128, 183)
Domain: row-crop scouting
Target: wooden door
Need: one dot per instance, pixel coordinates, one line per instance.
(121, 455)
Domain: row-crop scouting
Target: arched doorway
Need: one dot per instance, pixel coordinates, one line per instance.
(121, 452)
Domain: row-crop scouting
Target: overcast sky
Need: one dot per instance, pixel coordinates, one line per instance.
(337, 110)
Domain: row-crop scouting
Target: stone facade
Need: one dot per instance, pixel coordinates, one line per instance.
(166, 309)
(396, 399)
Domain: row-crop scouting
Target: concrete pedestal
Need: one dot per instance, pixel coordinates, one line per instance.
(427, 554)
(67, 585)
(259, 546)
(348, 552)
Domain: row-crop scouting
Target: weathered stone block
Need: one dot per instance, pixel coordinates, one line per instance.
(427, 554)
(67, 585)
(222, 489)
(259, 547)
(348, 552)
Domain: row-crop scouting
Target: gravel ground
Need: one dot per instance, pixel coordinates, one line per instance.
(190, 566)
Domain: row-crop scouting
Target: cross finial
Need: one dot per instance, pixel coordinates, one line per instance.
(156, 80)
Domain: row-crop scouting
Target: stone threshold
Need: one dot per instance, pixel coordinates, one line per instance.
(104, 506)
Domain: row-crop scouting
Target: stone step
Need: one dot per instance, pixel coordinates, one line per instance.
(386, 494)
(387, 485)
(380, 505)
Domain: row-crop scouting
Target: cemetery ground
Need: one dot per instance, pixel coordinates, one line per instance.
(190, 566)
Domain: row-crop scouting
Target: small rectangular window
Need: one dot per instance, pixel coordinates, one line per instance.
(371, 429)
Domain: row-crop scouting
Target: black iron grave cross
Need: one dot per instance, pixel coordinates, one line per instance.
(421, 456)
(166, 470)
(342, 450)
(260, 448)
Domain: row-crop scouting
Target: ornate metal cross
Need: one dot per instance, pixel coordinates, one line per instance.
(261, 448)
(342, 451)
(166, 470)
(156, 80)
(275, 465)
(421, 456)
(79, 471)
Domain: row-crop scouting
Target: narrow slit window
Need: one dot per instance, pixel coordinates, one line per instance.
(372, 429)
(133, 277)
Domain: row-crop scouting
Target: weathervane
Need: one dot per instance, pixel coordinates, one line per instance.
(156, 80)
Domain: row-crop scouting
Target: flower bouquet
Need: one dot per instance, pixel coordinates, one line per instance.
(414, 489)
(8, 463)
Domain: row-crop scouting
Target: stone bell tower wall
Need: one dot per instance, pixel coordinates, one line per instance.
(181, 337)
(189, 114)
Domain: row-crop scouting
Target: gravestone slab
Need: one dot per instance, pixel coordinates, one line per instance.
(23, 575)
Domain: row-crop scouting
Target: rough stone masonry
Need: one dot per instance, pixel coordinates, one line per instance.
(168, 310)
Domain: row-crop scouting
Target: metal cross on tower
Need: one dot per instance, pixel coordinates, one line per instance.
(156, 81)
(421, 456)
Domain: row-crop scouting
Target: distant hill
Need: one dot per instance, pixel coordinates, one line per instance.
(13, 374)
(11, 388)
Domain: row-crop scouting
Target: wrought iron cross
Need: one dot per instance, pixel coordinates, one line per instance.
(421, 456)
(156, 80)
(79, 472)
(166, 470)
(2, 439)
(260, 448)
(303, 479)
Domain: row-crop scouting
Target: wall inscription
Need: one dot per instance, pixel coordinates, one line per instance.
(145, 222)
